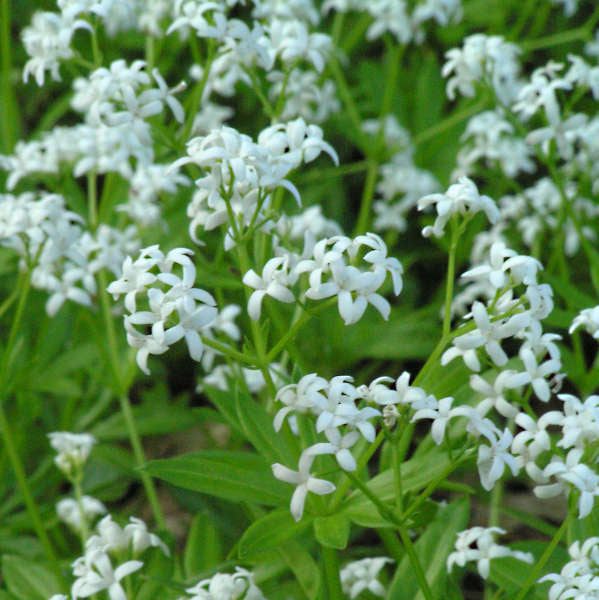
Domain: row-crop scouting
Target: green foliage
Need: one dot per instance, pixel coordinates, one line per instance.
(236, 476)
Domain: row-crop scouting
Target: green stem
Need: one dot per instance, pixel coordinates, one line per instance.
(79, 498)
(331, 569)
(356, 32)
(259, 342)
(198, 92)
(141, 460)
(8, 302)
(268, 109)
(572, 35)
(247, 359)
(92, 199)
(398, 486)
(95, 47)
(119, 384)
(449, 122)
(392, 544)
(30, 504)
(536, 571)
(9, 114)
(403, 534)
(367, 196)
(332, 172)
(522, 19)
(149, 53)
(7, 435)
(295, 328)
(350, 105)
(450, 277)
(343, 487)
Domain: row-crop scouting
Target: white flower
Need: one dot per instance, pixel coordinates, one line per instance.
(274, 282)
(539, 372)
(441, 415)
(460, 198)
(303, 396)
(304, 482)
(68, 511)
(589, 319)
(222, 586)
(100, 576)
(140, 538)
(486, 549)
(47, 41)
(73, 449)
(494, 395)
(493, 459)
(361, 575)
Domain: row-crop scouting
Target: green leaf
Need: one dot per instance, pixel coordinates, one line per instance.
(204, 547)
(408, 334)
(332, 531)
(270, 532)
(510, 574)
(156, 415)
(416, 474)
(225, 403)
(304, 568)
(572, 295)
(236, 476)
(429, 95)
(158, 575)
(257, 427)
(28, 580)
(432, 548)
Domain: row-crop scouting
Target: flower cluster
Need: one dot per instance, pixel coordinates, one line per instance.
(240, 174)
(343, 414)
(330, 274)
(223, 586)
(361, 575)
(392, 16)
(73, 449)
(94, 571)
(460, 198)
(483, 59)
(485, 549)
(76, 514)
(578, 578)
(176, 309)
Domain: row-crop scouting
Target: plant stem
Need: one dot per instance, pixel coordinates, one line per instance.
(391, 543)
(247, 359)
(449, 122)
(331, 569)
(536, 571)
(450, 277)
(141, 459)
(350, 105)
(343, 488)
(28, 498)
(258, 338)
(403, 534)
(367, 196)
(294, 329)
(198, 92)
(119, 384)
(9, 114)
(149, 53)
(76, 481)
(332, 172)
(7, 435)
(92, 199)
(95, 48)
